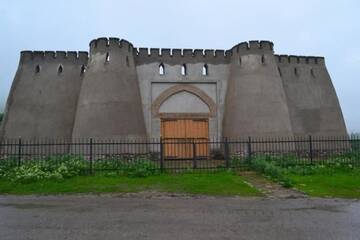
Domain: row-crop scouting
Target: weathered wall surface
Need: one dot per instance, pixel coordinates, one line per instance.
(109, 104)
(44, 94)
(256, 104)
(313, 104)
(152, 84)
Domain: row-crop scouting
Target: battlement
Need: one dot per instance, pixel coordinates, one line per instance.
(177, 55)
(176, 52)
(102, 44)
(291, 59)
(72, 56)
(252, 47)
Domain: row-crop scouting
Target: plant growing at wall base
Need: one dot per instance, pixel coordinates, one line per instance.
(263, 165)
(54, 168)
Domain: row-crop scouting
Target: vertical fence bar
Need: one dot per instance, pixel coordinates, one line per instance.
(226, 153)
(19, 151)
(194, 155)
(311, 149)
(161, 155)
(249, 149)
(91, 156)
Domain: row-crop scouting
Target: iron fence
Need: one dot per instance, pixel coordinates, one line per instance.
(182, 154)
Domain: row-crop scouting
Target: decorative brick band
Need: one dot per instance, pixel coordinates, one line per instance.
(179, 88)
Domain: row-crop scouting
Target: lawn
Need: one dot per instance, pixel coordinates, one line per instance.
(337, 177)
(336, 183)
(218, 184)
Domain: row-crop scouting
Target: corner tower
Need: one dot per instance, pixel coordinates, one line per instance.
(43, 96)
(256, 103)
(109, 104)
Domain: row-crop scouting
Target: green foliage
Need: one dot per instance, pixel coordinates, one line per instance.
(1, 117)
(52, 168)
(67, 166)
(135, 167)
(266, 166)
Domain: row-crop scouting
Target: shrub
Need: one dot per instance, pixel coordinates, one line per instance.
(55, 168)
(266, 166)
(136, 167)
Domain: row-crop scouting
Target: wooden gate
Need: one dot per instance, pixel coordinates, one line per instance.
(179, 136)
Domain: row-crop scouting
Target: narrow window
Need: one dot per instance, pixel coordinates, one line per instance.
(296, 72)
(183, 70)
(205, 70)
(312, 72)
(279, 71)
(161, 69)
(83, 69)
(240, 61)
(107, 57)
(127, 61)
(37, 69)
(60, 69)
(262, 59)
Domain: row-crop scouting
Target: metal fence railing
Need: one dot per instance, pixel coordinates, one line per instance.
(173, 154)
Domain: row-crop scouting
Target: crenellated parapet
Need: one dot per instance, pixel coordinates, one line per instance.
(177, 56)
(51, 56)
(291, 59)
(252, 47)
(109, 44)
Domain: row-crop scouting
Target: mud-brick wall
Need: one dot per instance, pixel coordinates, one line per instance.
(44, 94)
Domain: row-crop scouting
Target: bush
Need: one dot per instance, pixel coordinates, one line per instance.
(54, 168)
(267, 167)
(136, 167)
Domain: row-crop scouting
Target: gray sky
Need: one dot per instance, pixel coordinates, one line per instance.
(307, 27)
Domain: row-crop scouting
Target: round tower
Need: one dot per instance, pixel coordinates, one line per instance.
(109, 104)
(255, 101)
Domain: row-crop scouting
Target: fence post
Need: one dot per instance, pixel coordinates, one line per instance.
(194, 156)
(161, 155)
(249, 149)
(226, 153)
(310, 150)
(19, 151)
(91, 156)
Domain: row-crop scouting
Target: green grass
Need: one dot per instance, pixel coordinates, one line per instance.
(336, 183)
(220, 184)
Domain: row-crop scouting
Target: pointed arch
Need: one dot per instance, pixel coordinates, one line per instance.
(179, 88)
(83, 69)
(205, 70)
(296, 71)
(161, 69)
(60, 69)
(183, 70)
(37, 69)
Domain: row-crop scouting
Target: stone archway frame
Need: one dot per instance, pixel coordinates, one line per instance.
(180, 88)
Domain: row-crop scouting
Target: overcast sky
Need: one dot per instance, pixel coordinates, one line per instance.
(307, 27)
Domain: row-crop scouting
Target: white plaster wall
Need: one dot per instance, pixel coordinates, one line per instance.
(184, 102)
(152, 84)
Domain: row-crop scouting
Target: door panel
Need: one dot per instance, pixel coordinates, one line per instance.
(180, 134)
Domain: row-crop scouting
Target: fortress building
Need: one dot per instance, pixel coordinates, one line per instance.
(117, 91)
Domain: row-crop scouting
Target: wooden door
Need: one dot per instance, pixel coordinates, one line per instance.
(180, 134)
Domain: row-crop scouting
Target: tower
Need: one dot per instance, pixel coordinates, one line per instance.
(256, 103)
(109, 104)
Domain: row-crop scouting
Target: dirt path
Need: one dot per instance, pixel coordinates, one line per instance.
(270, 188)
